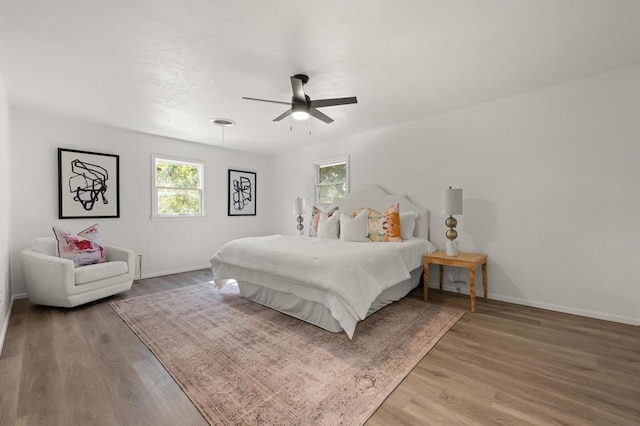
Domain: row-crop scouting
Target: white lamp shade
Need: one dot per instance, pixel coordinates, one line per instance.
(452, 201)
(299, 207)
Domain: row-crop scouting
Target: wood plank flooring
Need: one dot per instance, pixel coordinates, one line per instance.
(505, 364)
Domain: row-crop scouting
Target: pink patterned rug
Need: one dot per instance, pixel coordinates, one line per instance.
(242, 363)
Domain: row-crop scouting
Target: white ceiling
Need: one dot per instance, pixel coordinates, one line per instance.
(166, 67)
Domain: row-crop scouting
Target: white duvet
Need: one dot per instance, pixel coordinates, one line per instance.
(357, 273)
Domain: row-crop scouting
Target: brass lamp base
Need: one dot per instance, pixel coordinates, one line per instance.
(452, 234)
(300, 225)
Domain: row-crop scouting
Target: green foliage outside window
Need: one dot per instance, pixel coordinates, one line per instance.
(332, 182)
(178, 188)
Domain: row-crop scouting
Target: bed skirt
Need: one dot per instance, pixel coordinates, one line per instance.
(314, 311)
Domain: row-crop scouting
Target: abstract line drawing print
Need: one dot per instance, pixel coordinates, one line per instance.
(241, 192)
(88, 184)
(241, 195)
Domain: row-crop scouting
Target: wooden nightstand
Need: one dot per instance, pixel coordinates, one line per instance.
(464, 260)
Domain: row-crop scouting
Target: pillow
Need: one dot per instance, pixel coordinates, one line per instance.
(329, 226)
(354, 228)
(315, 218)
(92, 233)
(385, 226)
(407, 224)
(86, 248)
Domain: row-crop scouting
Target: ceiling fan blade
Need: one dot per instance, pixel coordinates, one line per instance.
(332, 102)
(298, 90)
(320, 116)
(266, 100)
(283, 115)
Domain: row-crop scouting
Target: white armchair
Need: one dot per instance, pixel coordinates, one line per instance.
(53, 281)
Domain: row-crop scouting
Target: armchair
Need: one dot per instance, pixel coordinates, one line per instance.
(53, 281)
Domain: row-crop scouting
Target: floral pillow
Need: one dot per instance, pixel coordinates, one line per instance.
(315, 218)
(85, 248)
(385, 226)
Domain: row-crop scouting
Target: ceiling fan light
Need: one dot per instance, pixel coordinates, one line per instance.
(300, 115)
(299, 111)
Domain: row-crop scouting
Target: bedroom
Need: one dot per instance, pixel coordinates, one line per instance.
(550, 172)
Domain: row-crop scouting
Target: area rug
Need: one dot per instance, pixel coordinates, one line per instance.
(242, 363)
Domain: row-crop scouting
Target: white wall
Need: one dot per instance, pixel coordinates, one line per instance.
(551, 189)
(167, 245)
(5, 212)
(551, 182)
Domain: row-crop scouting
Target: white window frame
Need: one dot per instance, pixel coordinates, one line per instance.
(154, 187)
(325, 163)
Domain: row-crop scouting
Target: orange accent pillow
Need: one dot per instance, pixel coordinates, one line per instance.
(385, 226)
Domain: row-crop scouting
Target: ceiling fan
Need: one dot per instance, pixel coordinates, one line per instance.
(302, 106)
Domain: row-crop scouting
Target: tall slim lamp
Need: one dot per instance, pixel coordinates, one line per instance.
(299, 208)
(452, 205)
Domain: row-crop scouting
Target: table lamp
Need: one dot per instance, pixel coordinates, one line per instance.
(299, 209)
(451, 205)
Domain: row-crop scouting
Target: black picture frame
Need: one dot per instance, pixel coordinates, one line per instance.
(88, 184)
(241, 199)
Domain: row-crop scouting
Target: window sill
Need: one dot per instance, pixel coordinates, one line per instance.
(179, 218)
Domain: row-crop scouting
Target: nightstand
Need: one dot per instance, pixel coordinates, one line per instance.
(464, 260)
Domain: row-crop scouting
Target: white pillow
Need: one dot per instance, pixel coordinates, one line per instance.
(407, 224)
(329, 226)
(315, 218)
(356, 228)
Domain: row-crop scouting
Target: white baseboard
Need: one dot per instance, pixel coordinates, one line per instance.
(174, 271)
(548, 306)
(5, 324)
(569, 310)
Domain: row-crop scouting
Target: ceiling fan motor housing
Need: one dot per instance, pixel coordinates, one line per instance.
(299, 106)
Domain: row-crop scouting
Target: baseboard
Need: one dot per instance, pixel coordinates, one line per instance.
(549, 307)
(5, 324)
(569, 310)
(174, 271)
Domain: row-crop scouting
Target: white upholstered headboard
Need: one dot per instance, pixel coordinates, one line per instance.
(377, 198)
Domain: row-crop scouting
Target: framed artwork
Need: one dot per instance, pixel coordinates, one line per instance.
(88, 184)
(242, 193)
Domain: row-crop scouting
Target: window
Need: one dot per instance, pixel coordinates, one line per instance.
(177, 187)
(331, 179)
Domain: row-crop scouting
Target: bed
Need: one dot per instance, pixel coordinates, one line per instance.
(332, 284)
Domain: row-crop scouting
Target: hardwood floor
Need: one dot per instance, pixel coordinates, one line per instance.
(505, 364)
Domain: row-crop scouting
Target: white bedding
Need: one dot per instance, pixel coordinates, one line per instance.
(352, 274)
